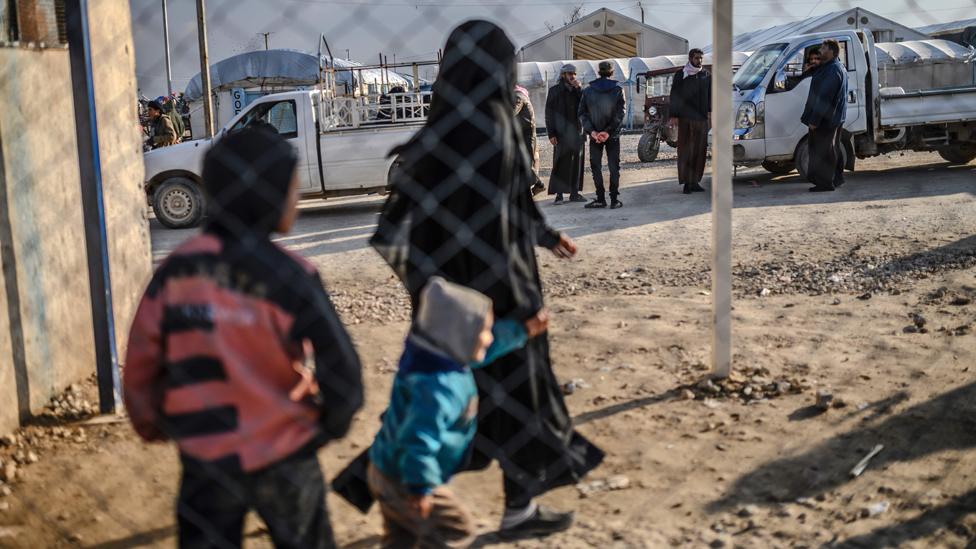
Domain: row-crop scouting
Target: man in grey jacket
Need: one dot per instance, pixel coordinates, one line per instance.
(601, 113)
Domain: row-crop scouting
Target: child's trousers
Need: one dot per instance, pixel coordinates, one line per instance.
(289, 496)
(450, 524)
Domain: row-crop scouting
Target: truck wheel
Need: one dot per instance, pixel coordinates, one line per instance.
(648, 147)
(802, 159)
(779, 168)
(958, 154)
(178, 203)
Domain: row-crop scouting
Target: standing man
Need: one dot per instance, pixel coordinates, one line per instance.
(566, 135)
(824, 115)
(162, 132)
(691, 110)
(601, 112)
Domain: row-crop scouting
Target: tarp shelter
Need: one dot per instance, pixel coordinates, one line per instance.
(926, 64)
(962, 32)
(882, 28)
(238, 80)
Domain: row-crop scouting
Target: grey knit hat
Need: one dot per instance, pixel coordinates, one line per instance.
(568, 67)
(451, 317)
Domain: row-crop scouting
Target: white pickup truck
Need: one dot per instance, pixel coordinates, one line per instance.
(342, 146)
(769, 97)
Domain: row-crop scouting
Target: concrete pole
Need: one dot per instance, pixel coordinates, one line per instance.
(722, 188)
(208, 123)
(169, 69)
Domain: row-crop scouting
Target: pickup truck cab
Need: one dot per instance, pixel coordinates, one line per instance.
(770, 93)
(342, 146)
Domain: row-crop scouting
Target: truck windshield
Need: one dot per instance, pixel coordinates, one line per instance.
(753, 71)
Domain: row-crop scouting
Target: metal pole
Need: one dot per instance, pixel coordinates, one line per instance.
(208, 123)
(93, 205)
(416, 77)
(169, 69)
(722, 188)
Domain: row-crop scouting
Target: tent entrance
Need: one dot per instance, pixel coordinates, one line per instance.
(604, 46)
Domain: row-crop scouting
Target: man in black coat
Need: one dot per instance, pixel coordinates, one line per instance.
(691, 109)
(602, 114)
(824, 114)
(566, 135)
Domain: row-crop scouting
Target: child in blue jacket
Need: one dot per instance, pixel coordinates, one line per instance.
(432, 417)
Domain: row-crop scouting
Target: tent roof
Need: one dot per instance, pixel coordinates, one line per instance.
(923, 51)
(277, 67)
(589, 16)
(533, 74)
(750, 41)
(951, 26)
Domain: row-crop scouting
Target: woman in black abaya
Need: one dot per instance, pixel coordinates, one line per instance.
(461, 208)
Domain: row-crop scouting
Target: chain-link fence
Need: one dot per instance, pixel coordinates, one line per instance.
(443, 139)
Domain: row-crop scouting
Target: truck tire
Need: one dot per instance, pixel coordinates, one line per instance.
(958, 154)
(802, 159)
(178, 203)
(648, 147)
(779, 168)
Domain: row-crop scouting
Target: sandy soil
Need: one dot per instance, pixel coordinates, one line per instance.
(866, 293)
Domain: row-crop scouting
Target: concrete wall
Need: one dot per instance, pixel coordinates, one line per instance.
(45, 309)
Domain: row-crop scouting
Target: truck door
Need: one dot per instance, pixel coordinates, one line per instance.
(283, 117)
(855, 87)
(785, 100)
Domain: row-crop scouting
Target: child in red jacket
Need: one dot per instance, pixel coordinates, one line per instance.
(216, 351)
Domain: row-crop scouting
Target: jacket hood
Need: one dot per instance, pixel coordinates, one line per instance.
(451, 317)
(604, 85)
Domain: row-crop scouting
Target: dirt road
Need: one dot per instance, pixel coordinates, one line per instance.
(866, 293)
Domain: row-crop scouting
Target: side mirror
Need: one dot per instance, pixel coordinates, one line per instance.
(779, 83)
(639, 79)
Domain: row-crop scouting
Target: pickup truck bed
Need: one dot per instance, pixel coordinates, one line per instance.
(942, 106)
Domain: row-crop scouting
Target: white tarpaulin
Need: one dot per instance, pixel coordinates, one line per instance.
(282, 68)
(924, 51)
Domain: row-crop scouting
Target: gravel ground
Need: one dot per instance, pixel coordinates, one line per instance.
(860, 299)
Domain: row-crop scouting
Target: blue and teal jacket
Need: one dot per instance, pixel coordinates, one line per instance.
(432, 417)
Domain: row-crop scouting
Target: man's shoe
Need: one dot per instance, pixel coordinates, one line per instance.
(614, 204)
(696, 188)
(577, 198)
(538, 188)
(686, 189)
(559, 201)
(543, 522)
(819, 189)
(596, 204)
(839, 183)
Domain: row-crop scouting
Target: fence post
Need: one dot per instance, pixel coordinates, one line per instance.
(722, 188)
(93, 205)
(208, 118)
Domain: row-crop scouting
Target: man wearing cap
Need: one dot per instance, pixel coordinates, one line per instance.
(566, 135)
(601, 113)
(163, 134)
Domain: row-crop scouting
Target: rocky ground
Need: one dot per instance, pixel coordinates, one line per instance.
(853, 345)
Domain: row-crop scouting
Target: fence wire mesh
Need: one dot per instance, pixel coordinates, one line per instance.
(240, 356)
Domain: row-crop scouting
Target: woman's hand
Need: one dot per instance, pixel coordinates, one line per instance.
(566, 248)
(537, 324)
(306, 387)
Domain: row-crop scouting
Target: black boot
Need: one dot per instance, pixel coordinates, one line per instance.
(543, 522)
(686, 189)
(697, 188)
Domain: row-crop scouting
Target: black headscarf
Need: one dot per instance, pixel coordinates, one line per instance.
(246, 176)
(460, 203)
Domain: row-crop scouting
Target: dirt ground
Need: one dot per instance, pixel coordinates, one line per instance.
(866, 293)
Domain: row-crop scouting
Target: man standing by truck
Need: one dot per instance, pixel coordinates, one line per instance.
(691, 110)
(163, 134)
(566, 135)
(825, 114)
(602, 114)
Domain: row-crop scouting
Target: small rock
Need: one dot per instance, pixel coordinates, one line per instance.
(4, 506)
(717, 543)
(783, 387)
(9, 472)
(824, 398)
(618, 482)
(5, 491)
(687, 394)
(836, 301)
(910, 329)
(960, 301)
(748, 511)
(874, 509)
(623, 275)
(865, 296)
(918, 320)
(764, 292)
(32, 457)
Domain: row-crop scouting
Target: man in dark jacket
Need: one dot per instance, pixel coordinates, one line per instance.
(691, 109)
(163, 133)
(566, 135)
(825, 114)
(601, 112)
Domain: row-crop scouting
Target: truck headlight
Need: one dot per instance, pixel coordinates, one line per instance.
(653, 111)
(745, 117)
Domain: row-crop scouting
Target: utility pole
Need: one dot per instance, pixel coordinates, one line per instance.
(265, 34)
(641, 6)
(208, 123)
(169, 70)
(722, 188)
(347, 54)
